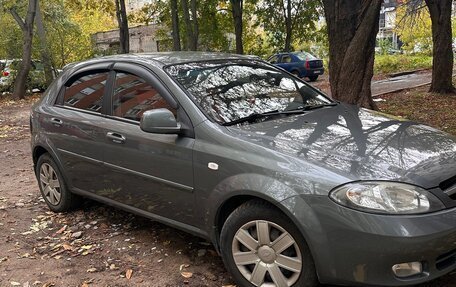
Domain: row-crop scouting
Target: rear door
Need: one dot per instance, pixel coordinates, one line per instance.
(286, 62)
(75, 126)
(152, 172)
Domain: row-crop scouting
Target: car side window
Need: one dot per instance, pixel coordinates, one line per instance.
(86, 92)
(274, 60)
(133, 96)
(286, 59)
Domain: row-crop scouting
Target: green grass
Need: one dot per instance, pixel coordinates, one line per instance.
(385, 64)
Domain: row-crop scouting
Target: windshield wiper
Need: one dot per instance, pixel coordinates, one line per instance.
(314, 107)
(256, 116)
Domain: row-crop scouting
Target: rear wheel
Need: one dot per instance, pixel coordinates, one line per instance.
(53, 187)
(260, 246)
(313, 78)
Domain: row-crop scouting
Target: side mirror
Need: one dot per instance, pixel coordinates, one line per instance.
(159, 121)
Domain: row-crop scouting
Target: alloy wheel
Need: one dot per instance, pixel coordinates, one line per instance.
(50, 184)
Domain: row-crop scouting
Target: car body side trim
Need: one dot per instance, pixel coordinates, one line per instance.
(80, 156)
(182, 226)
(162, 180)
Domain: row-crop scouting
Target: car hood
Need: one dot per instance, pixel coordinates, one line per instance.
(360, 144)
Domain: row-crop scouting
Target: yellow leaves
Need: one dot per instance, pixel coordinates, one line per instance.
(414, 30)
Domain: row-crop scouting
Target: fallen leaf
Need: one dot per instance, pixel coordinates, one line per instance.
(61, 230)
(187, 274)
(14, 283)
(183, 266)
(92, 270)
(129, 273)
(67, 246)
(113, 266)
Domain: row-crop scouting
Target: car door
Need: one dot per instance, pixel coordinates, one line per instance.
(286, 62)
(151, 172)
(75, 127)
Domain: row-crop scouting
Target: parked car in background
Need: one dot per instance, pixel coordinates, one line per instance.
(300, 64)
(9, 69)
(2, 65)
(290, 186)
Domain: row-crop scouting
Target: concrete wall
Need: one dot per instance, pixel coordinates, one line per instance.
(142, 39)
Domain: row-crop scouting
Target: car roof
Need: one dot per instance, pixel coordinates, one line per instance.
(169, 58)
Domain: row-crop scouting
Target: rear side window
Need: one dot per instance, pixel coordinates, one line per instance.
(86, 93)
(133, 96)
(286, 59)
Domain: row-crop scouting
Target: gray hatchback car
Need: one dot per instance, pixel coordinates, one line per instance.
(290, 186)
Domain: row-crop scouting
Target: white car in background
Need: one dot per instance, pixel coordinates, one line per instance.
(9, 68)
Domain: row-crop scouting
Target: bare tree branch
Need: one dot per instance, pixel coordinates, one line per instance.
(18, 18)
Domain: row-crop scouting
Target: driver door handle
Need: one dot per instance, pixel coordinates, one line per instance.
(116, 137)
(56, 122)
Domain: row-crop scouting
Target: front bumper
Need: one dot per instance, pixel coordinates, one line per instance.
(356, 248)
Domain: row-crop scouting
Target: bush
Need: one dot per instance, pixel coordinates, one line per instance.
(385, 64)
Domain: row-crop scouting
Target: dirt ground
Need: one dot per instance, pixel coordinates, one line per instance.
(95, 246)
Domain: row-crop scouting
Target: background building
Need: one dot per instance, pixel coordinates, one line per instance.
(133, 5)
(388, 23)
(142, 39)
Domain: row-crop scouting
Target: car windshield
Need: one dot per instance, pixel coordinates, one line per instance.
(231, 90)
(304, 56)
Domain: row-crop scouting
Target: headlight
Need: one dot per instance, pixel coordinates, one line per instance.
(386, 197)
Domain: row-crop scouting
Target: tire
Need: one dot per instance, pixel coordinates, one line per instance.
(313, 78)
(53, 187)
(263, 260)
(296, 74)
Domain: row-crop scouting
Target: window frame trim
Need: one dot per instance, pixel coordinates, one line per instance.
(105, 67)
(150, 77)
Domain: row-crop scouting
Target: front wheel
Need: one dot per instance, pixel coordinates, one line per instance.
(260, 246)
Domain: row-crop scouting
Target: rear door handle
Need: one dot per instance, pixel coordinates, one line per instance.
(116, 137)
(56, 122)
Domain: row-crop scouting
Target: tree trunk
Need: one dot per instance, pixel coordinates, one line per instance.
(194, 9)
(122, 20)
(288, 26)
(442, 64)
(44, 51)
(27, 32)
(188, 26)
(237, 10)
(175, 22)
(352, 29)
